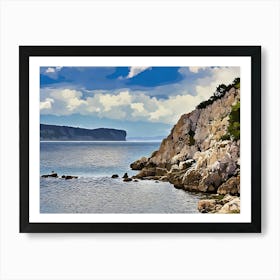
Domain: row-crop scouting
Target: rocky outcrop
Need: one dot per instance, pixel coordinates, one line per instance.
(139, 164)
(68, 177)
(53, 175)
(199, 154)
(226, 205)
(231, 186)
(127, 179)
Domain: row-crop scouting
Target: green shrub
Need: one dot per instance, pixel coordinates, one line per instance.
(191, 137)
(233, 131)
(221, 90)
(234, 122)
(234, 212)
(225, 137)
(236, 83)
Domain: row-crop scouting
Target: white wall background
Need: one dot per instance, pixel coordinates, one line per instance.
(139, 256)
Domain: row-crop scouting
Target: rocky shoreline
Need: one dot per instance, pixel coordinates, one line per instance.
(202, 154)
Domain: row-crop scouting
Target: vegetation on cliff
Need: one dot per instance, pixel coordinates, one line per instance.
(219, 93)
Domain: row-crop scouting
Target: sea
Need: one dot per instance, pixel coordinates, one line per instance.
(95, 191)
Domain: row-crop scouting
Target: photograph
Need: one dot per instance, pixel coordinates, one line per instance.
(140, 139)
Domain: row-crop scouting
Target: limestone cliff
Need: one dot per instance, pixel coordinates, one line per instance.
(199, 154)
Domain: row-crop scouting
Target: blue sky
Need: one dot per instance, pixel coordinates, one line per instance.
(145, 101)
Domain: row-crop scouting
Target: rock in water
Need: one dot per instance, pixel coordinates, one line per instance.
(54, 175)
(125, 175)
(139, 164)
(115, 176)
(127, 179)
(68, 177)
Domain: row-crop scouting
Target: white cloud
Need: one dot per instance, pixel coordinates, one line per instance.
(109, 100)
(47, 104)
(53, 69)
(196, 69)
(50, 70)
(71, 98)
(135, 70)
(220, 75)
(138, 105)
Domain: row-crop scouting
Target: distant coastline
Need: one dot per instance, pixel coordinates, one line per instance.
(101, 141)
(68, 133)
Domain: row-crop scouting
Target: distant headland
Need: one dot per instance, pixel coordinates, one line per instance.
(66, 133)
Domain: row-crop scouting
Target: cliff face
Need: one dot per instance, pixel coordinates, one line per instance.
(195, 156)
(66, 133)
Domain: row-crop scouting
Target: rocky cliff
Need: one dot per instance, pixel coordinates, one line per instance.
(202, 151)
(67, 133)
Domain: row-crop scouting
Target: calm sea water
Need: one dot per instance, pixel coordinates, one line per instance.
(95, 191)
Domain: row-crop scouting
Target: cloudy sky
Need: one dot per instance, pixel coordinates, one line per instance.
(145, 101)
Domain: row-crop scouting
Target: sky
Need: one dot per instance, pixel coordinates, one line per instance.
(145, 101)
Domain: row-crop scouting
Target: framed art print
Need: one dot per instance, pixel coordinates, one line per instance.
(140, 138)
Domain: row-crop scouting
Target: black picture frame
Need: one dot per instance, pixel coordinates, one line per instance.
(254, 52)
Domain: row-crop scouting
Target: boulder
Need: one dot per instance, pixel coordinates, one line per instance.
(54, 175)
(139, 164)
(206, 205)
(127, 179)
(163, 178)
(125, 175)
(191, 180)
(231, 186)
(68, 177)
(115, 176)
(211, 182)
(161, 171)
(175, 178)
(186, 164)
(146, 172)
(231, 207)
